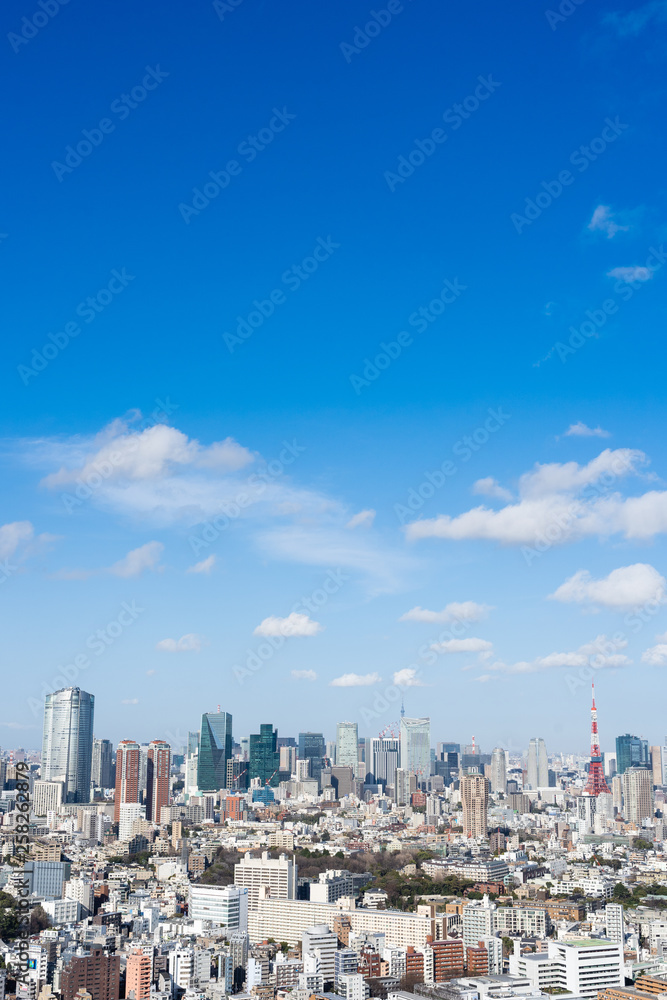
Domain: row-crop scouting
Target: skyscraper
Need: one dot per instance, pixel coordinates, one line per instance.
(415, 754)
(102, 769)
(631, 751)
(157, 779)
(347, 745)
(637, 794)
(311, 747)
(382, 753)
(67, 743)
(215, 749)
(128, 766)
(264, 756)
(538, 764)
(498, 771)
(475, 800)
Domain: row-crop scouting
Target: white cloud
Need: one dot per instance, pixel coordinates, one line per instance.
(123, 454)
(470, 645)
(355, 680)
(599, 654)
(136, 562)
(630, 274)
(295, 625)
(407, 677)
(163, 478)
(205, 566)
(304, 675)
(464, 611)
(603, 221)
(363, 519)
(490, 487)
(146, 557)
(555, 507)
(580, 429)
(14, 534)
(189, 643)
(656, 656)
(624, 588)
(130, 701)
(149, 673)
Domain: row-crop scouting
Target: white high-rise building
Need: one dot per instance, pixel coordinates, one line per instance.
(47, 796)
(67, 742)
(129, 812)
(538, 764)
(498, 771)
(266, 878)
(81, 889)
(478, 921)
(382, 753)
(225, 905)
(321, 942)
(415, 752)
(347, 745)
(615, 923)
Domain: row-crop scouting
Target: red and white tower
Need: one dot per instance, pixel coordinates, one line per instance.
(596, 780)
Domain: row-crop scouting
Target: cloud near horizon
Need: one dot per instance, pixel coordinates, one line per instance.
(355, 680)
(624, 588)
(560, 503)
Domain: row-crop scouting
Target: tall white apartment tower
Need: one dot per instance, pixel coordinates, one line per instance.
(67, 742)
(498, 771)
(347, 745)
(538, 764)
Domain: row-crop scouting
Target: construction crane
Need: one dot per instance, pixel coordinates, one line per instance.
(269, 780)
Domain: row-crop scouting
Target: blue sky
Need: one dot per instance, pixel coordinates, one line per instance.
(479, 190)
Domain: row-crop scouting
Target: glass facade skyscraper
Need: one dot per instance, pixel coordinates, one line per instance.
(265, 756)
(312, 747)
(631, 751)
(347, 745)
(416, 747)
(67, 742)
(215, 749)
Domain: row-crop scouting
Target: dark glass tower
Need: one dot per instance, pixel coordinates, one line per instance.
(215, 749)
(312, 747)
(631, 751)
(265, 756)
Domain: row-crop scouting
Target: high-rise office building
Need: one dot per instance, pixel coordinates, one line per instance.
(265, 877)
(382, 753)
(498, 771)
(347, 745)
(637, 794)
(631, 751)
(657, 765)
(46, 796)
(67, 743)
(102, 769)
(538, 764)
(128, 766)
(157, 779)
(415, 752)
(475, 800)
(264, 754)
(215, 749)
(312, 748)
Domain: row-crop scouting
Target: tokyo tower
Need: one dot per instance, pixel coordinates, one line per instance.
(596, 780)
